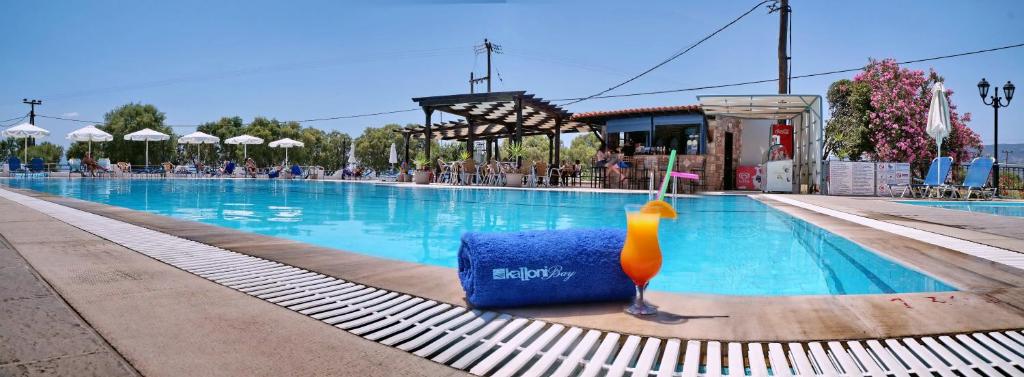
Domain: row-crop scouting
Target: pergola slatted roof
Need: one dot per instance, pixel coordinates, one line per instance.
(459, 130)
(494, 115)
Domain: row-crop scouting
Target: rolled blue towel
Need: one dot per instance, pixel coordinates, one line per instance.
(543, 267)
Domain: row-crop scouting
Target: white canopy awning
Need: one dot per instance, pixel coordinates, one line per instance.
(804, 112)
(781, 106)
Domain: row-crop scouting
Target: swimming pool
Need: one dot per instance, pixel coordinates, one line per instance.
(1015, 209)
(719, 245)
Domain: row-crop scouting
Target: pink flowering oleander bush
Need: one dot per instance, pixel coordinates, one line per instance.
(897, 116)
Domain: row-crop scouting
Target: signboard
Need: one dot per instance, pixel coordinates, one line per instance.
(851, 178)
(890, 173)
(748, 178)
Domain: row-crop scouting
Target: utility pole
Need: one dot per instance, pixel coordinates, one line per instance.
(31, 142)
(32, 109)
(783, 8)
(489, 48)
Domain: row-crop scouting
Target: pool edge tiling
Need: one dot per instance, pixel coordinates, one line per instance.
(730, 318)
(484, 343)
(710, 249)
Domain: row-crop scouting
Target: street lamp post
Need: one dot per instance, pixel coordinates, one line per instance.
(996, 103)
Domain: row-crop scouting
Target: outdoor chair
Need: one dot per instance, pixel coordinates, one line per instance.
(493, 175)
(124, 169)
(444, 172)
(36, 165)
(468, 172)
(976, 180)
(540, 174)
(931, 181)
(14, 166)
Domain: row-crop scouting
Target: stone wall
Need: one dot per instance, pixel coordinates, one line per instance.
(715, 168)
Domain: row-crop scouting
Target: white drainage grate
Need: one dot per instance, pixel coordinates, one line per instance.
(489, 343)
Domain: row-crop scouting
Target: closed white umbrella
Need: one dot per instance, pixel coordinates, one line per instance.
(90, 134)
(287, 144)
(393, 155)
(938, 120)
(245, 140)
(146, 135)
(25, 131)
(198, 138)
(352, 161)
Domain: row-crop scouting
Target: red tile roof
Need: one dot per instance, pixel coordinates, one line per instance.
(625, 113)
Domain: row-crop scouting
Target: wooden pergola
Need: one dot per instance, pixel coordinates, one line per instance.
(491, 116)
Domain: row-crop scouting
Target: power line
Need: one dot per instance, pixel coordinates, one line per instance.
(674, 56)
(15, 120)
(718, 86)
(578, 99)
(17, 117)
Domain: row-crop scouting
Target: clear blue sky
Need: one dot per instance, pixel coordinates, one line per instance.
(200, 60)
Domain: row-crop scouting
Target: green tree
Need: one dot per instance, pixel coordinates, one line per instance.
(373, 145)
(583, 148)
(130, 118)
(49, 152)
(847, 134)
(225, 128)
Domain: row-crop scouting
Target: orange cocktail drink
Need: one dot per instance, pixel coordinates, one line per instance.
(641, 254)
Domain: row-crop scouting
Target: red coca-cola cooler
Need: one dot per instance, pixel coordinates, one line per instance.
(782, 134)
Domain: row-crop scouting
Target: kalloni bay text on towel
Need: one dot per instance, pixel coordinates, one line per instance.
(526, 274)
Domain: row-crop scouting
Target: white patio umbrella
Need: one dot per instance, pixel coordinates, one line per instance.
(393, 156)
(938, 119)
(25, 131)
(352, 161)
(245, 140)
(90, 134)
(287, 144)
(198, 138)
(146, 135)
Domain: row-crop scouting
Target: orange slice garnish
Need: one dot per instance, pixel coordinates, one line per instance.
(662, 208)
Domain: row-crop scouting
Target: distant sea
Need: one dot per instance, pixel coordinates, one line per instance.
(1016, 155)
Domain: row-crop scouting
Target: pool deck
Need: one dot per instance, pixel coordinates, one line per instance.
(157, 319)
(991, 296)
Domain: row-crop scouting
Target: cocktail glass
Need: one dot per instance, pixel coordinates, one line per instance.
(641, 254)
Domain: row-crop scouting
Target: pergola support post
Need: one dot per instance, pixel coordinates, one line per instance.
(519, 126)
(427, 111)
(558, 140)
(406, 136)
(488, 156)
(551, 149)
(470, 140)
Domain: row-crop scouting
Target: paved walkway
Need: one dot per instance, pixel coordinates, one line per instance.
(40, 335)
(164, 321)
(1000, 231)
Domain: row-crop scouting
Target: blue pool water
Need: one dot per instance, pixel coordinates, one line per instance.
(719, 245)
(1015, 209)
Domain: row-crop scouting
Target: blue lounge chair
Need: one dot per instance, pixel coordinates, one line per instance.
(931, 181)
(296, 171)
(36, 166)
(14, 166)
(229, 169)
(976, 180)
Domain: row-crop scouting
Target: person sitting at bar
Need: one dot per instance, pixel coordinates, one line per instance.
(613, 164)
(630, 149)
(602, 156)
